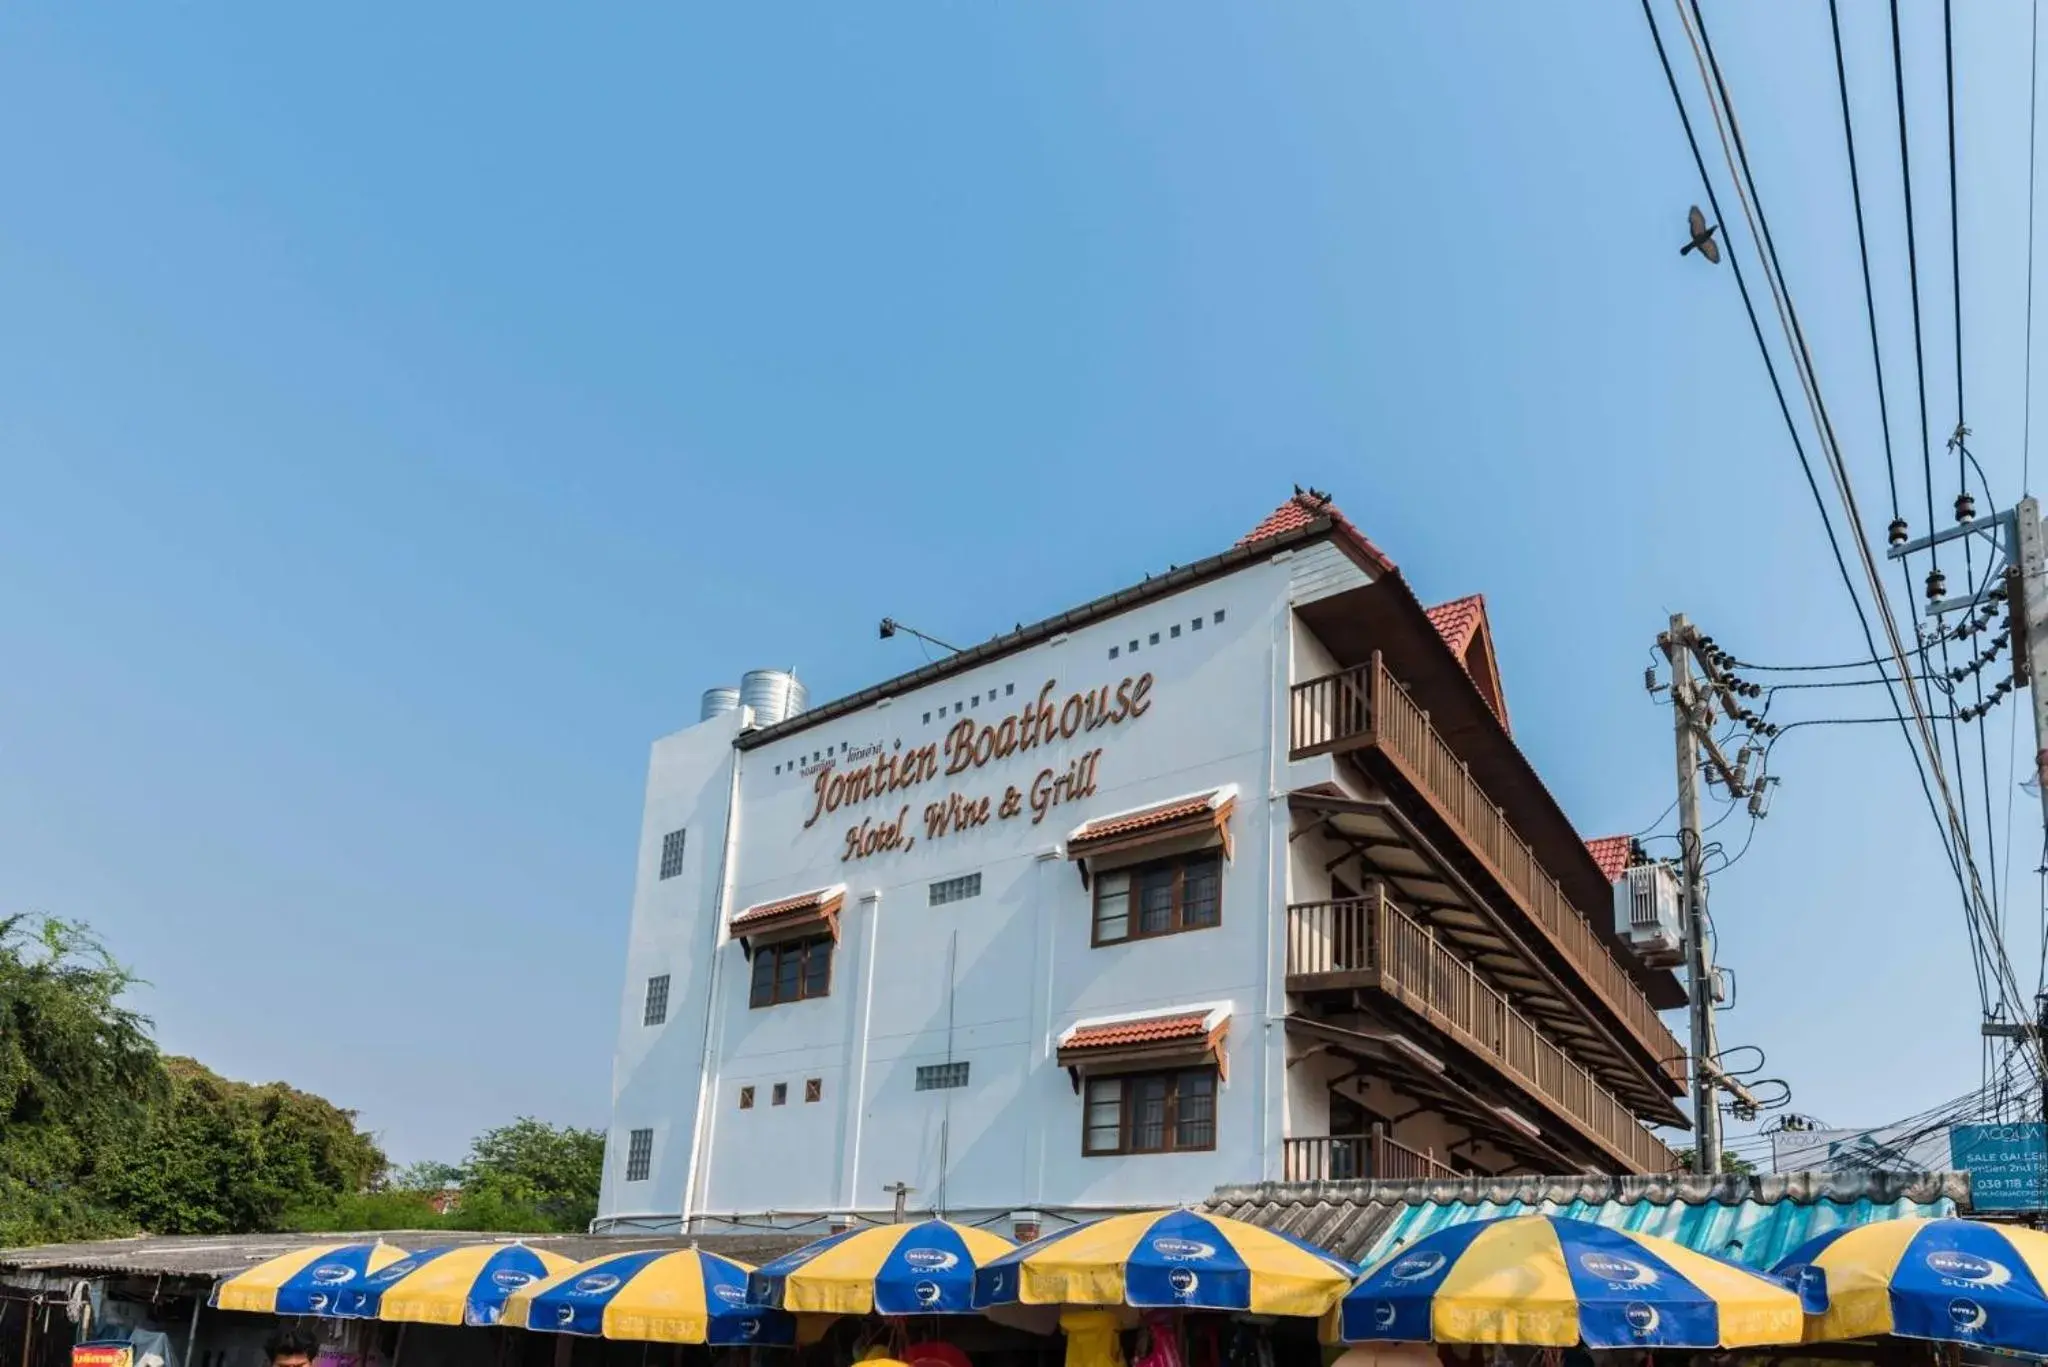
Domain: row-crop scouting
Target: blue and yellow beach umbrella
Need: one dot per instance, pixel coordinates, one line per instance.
(926, 1268)
(460, 1284)
(307, 1281)
(1953, 1281)
(1167, 1258)
(1545, 1281)
(653, 1296)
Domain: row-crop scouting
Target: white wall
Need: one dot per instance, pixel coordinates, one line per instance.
(657, 1070)
(991, 980)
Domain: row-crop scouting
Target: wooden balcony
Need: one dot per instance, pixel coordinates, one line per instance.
(1343, 1158)
(1368, 943)
(1365, 707)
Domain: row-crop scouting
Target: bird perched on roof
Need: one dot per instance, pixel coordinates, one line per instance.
(1702, 237)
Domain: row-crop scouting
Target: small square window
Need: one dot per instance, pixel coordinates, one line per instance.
(958, 708)
(672, 853)
(1219, 614)
(1195, 625)
(779, 1094)
(657, 1000)
(1009, 689)
(977, 700)
(746, 1098)
(814, 1089)
(927, 719)
(1176, 630)
(1132, 647)
(1155, 638)
(639, 1155)
(1114, 652)
(954, 889)
(938, 1077)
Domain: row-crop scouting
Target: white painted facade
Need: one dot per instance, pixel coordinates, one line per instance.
(992, 980)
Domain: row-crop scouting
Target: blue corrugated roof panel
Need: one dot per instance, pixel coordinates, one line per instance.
(1753, 1233)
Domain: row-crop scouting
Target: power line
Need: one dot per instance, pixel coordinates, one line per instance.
(1959, 851)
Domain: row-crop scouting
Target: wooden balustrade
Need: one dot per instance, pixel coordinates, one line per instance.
(1339, 1158)
(1371, 936)
(1330, 714)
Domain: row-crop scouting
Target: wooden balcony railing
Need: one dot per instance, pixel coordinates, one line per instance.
(1366, 705)
(1339, 1158)
(1371, 936)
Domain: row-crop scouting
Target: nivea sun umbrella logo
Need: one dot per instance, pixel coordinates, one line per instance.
(509, 1280)
(927, 1293)
(1967, 1316)
(1384, 1314)
(1417, 1266)
(565, 1315)
(731, 1295)
(596, 1284)
(333, 1274)
(930, 1259)
(316, 1302)
(1642, 1319)
(1183, 1250)
(395, 1271)
(1967, 1268)
(1182, 1282)
(1617, 1271)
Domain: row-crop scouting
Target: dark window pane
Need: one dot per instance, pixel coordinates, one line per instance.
(1196, 1111)
(764, 976)
(1201, 893)
(1148, 1113)
(1112, 907)
(818, 968)
(1155, 901)
(789, 967)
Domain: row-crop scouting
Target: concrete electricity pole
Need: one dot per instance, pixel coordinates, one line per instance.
(1692, 714)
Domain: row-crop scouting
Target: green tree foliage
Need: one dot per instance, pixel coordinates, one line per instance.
(224, 1156)
(532, 1175)
(78, 1075)
(1732, 1164)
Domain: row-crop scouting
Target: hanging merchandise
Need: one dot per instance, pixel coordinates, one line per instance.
(1092, 1339)
(1159, 1345)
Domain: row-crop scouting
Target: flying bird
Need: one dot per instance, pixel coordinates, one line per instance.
(1702, 237)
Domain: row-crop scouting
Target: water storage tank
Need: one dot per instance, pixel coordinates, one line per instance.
(773, 694)
(718, 702)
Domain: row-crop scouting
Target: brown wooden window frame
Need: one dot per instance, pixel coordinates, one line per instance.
(1131, 877)
(1094, 1092)
(814, 1089)
(746, 1098)
(773, 955)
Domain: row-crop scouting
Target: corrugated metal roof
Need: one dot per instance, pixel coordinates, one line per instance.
(1753, 1219)
(216, 1256)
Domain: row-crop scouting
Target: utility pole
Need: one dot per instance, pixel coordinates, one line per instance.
(901, 1192)
(1692, 716)
(2024, 588)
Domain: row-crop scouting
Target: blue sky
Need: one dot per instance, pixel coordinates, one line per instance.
(404, 414)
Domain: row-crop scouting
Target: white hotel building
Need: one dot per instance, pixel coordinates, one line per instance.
(1235, 874)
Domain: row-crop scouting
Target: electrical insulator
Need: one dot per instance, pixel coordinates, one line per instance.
(1937, 585)
(1649, 678)
(1898, 531)
(1966, 507)
(1760, 800)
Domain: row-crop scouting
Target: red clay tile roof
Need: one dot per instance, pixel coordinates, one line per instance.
(1166, 813)
(821, 902)
(1457, 620)
(1611, 853)
(1300, 511)
(1150, 1030)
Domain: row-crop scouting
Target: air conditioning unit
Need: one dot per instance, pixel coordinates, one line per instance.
(1646, 913)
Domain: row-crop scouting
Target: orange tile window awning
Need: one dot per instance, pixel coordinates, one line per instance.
(1198, 814)
(1177, 1037)
(803, 914)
